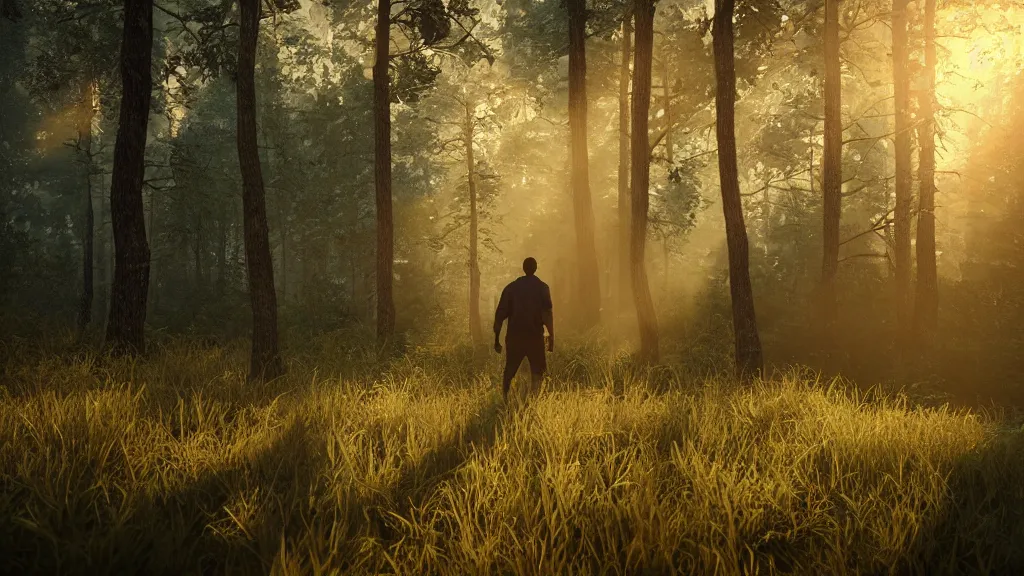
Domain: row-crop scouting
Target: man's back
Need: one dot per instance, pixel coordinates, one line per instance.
(524, 303)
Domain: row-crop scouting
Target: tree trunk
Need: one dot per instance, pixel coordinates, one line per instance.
(352, 279)
(643, 12)
(265, 360)
(668, 264)
(382, 176)
(666, 90)
(284, 248)
(237, 246)
(302, 286)
(583, 209)
(103, 258)
(197, 253)
(88, 226)
(832, 165)
(904, 177)
(125, 328)
(624, 200)
(749, 360)
(154, 274)
(927, 303)
(810, 162)
(9, 9)
(666, 79)
(475, 330)
(222, 259)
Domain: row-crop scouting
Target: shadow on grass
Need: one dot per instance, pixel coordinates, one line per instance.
(233, 519)
(981, 528)
(281, 505)
(419, 479)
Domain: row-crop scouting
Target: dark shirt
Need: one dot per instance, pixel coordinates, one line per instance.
(526, 304)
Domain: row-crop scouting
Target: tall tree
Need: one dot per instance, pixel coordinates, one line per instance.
(832, 164)
(586, 250)
(265, 360)
(926, 304)
(640, 177)
(624, 200)
(469, 106)
(424, 24)
(749, 360)
(904, 177)
(125, 328)
(475, 329)
(382, 175)
(666, 90)
(85, 117)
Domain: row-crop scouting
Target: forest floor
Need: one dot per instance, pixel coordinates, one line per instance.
(175, 465)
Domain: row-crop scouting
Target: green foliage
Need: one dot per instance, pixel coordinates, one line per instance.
(316, 136)
(534, 35)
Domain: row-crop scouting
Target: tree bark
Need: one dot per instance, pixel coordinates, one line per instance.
(85, 119)
(125, 328)
(927, 302)
(832, 165)
(153, 301)
(666, 89)
(904, 177)
(222, 258)
(265, 360)
(382, 177)
(810, 162)
(198, 247)
(583, 209)
(643, 12)
(666, 79)
(624, 200)
(749, 360)
(283, 223)
(9, 9)
(668, 265)
(475, 330)
(103, 257)
(302, 286)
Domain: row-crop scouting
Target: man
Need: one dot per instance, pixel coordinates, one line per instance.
(526, 304)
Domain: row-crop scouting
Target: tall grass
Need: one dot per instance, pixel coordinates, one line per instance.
(413, 465)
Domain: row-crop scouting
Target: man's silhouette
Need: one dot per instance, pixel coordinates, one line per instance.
(526, 304)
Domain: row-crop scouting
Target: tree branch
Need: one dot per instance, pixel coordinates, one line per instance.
(864, 255)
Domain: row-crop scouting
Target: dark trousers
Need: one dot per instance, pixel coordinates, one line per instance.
(516, 349)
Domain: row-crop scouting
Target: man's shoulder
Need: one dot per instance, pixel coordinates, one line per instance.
(528, 282)
(537, 286)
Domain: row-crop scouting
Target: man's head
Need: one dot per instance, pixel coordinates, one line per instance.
(530, 266)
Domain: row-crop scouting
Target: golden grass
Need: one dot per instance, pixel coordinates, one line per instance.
(174, 465)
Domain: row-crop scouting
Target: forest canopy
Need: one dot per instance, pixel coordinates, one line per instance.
(390, 165)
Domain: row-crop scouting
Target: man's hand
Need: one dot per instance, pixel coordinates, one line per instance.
(497, 346)
(551, 342)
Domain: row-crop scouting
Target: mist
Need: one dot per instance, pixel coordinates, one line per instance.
(808, 210)
(316, 131)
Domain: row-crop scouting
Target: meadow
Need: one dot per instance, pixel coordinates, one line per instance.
(174, 464)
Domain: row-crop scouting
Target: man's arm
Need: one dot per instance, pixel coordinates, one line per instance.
(547, 314)
(500, 315)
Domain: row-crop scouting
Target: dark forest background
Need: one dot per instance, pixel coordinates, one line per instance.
(876, 171)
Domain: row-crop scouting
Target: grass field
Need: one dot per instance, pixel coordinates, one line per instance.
(174, 465)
